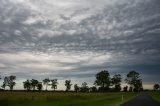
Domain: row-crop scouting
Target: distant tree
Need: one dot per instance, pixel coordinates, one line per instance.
(27, 85)
(133, 79)
(138, 86)
(76, 88)
(156, 87)
(54, 84)
(103, 80)
(117, 87)
(84, 87)
(39, 86)
(2, 85)
(68, 85)
(93, 89)
(125, 89)
(130, 89)
(9, 81)
(34, 83)
(116, 81)
(46, 82)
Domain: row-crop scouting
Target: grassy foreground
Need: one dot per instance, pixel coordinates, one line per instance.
(155, 95)
(63, 99)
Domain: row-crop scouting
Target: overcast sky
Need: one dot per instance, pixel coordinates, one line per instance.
(75, 39)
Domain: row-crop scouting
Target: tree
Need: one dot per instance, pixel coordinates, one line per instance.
(84, 87)
(76, 88)
(34, 83)
(133, 79)
(93, 89)
(54, 84)
(138, 86)
(103, 80)
(9, 81)
(116, 81)
(27, 85)
(156, 87)
(2, 85)
(68, 85)
(130, 89)
(39, 86)
(46, 82)
(125, 89)
(117, 87)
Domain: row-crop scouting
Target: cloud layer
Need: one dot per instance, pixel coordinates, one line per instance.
(78, 38)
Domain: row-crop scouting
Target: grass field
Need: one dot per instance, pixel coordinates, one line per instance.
(63, 99)
(155, 95)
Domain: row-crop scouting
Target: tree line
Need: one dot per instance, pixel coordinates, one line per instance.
(103, 83)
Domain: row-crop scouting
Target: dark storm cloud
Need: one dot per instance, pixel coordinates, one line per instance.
(127, 27)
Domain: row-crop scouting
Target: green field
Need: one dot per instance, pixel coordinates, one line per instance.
(63, 99)
(155, 95)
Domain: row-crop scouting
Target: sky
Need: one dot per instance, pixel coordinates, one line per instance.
(75, 39)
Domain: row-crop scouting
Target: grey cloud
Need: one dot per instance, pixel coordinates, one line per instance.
(127, 29)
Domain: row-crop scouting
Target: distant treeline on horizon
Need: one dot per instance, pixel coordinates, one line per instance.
(103, 83)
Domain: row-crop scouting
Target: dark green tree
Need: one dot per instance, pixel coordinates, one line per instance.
(84, 87)
(9, 81)
(116, 82)
(156, 87)
(133, 79)
(34, 83)
(76, 88)
(27, 85)
(103, 80)
(125, 89)
(68, 85)
(93, 89)
(54, 84)
(138, 86)
(46, 82)
(130, 89)
(39, 86)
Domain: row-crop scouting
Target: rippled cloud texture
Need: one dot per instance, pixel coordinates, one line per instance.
(75, 39)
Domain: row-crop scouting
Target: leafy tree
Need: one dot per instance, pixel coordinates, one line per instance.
(117, 87)
(116, 81)
(9, 81)
(54, 84)
(39, 86)
(84, 87)
(138, 86)
(68, 85)
(2, 85)
(125, 89)
(133, 79)
(103, 80)
(93, 89)
(130, 89)
(156, 86)
(76, 88)
(46, 82)
(27, 85)
(34, 83)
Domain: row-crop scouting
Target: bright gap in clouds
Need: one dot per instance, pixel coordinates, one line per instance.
(57, 65)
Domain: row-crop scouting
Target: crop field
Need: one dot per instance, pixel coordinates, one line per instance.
(63, 99)
(155, 95)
